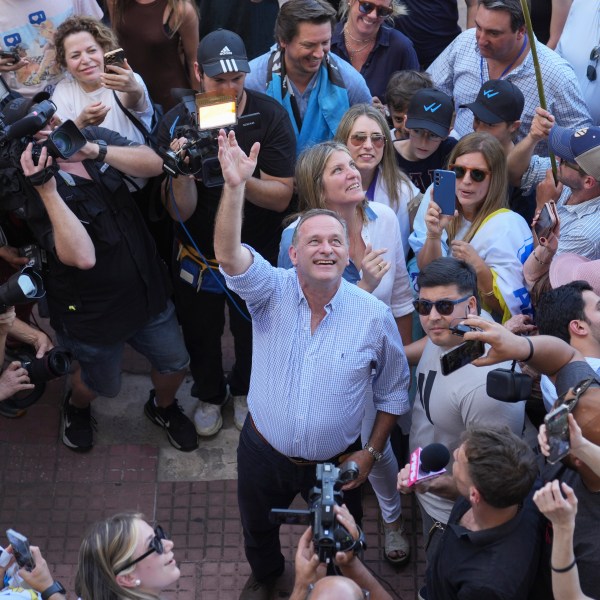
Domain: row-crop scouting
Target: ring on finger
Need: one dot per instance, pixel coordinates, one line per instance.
(380, 265)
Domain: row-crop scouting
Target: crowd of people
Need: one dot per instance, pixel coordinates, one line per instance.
(321, 221)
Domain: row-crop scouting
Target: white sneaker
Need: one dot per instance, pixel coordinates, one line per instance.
(240, 410)
(207, 419)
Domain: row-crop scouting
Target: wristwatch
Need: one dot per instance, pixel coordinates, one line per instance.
(374, 453)
(55, 588)
(102, 148)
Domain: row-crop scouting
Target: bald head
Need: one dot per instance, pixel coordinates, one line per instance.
(336, 588)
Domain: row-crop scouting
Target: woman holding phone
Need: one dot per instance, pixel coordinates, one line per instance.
(124, 557)
(483, 231)
(92, 94)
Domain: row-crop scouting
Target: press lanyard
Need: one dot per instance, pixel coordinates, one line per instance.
(509, 66)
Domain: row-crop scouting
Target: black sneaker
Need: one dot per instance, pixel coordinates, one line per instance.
(77, 427)
(180, 430)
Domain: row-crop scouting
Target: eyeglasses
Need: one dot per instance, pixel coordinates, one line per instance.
(591, 70)
(477, 175)
(573, 166)
(377, 139)
(443, 307)
(368, 7)
(156, 545)
(424, 133)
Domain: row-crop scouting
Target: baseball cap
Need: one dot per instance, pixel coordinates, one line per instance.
(581, 146)
(498, 101)
(222, 51)
(569, 267)
(432, 110)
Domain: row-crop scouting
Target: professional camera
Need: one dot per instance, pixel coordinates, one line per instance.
(63, 142)
(22, 287)
(55, 363)
(329, 536)
(206, 114)
(38, 258)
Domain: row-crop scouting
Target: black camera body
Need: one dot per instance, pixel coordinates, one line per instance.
(329, 536)
(508, 386)
(38, 258)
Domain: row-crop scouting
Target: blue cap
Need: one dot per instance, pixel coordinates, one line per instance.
(581, 146)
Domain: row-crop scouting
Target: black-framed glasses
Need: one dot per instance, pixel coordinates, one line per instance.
(477, 175)
(368, 7)
(377, 139)
(444, 307)
(591, 72)
(571, 165)
(156, 545)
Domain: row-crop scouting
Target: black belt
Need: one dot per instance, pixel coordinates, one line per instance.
(303, 462)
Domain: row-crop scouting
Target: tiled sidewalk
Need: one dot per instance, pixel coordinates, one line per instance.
(52, 495)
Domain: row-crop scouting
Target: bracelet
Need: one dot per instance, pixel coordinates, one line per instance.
(565, 569)
(536, 258)
(530, 355)
(431, 236)
(487, 294)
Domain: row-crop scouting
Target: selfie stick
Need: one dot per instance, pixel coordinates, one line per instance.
(538, 76)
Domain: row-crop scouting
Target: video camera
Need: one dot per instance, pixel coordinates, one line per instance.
(207, 113)
(329, 536)
(22, 287)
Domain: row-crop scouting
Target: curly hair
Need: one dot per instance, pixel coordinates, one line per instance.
(105, 36)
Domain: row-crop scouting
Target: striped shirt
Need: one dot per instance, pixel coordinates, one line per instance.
(579, 223)
(460, 71)
(308, 390)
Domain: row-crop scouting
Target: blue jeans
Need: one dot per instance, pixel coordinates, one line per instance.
(267, 479)
(159, 340)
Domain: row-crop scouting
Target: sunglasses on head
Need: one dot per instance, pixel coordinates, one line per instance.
(443, 307)
(367, 8)
(377, 139)
(156, 545)
(477, 175)
(591, 72)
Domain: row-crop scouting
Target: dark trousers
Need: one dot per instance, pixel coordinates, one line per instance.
(267, 479)
(202, 318)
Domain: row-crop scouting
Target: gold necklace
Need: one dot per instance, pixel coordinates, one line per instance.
(354, 51)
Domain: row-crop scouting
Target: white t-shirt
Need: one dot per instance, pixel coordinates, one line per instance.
(28, 26)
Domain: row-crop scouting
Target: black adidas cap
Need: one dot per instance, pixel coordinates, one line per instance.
(432, 110)
(498, 101)
(222, 51)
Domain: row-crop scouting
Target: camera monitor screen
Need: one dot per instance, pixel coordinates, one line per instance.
(216, 110)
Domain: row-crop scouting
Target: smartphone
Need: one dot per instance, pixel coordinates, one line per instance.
(545, 223)
(444, 190)
(10, 54)
(20, 549)
(461, 355)
(114, 57)
(557, 432)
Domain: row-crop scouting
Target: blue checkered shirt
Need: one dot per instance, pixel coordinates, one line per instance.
(308, 390)
(460, 72)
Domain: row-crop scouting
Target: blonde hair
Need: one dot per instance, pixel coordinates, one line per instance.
(108, 545)
(497, 195)
(393, 177)
(398, 8)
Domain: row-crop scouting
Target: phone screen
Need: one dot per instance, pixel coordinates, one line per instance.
(544, 224)
(557, 432)
(461, 355)
(21, 551)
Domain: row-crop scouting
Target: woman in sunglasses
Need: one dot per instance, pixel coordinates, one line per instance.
(483, 231)
(123, 557)
(367, 136)
(375, 50)
(328, 177)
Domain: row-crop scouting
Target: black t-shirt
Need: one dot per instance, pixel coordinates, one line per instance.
(261, 227)
(128, 284)
(431, 25)
(421, 171)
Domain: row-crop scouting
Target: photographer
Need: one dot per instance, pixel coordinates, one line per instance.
(200, 299)
(14, 378)
(104, 282)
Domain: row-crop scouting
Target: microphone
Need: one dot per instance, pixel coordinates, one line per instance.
(427, 463)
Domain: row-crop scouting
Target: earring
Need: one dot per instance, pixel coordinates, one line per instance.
(138, 582)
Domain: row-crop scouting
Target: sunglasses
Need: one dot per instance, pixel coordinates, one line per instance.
(477, 175)
(591, 73)
(156, 545)
(424, 133)
(377, 139)
(443, 307)
(573, 166)
(368, 7)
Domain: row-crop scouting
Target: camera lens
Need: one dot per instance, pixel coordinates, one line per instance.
(63, 143)
(59, 362)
